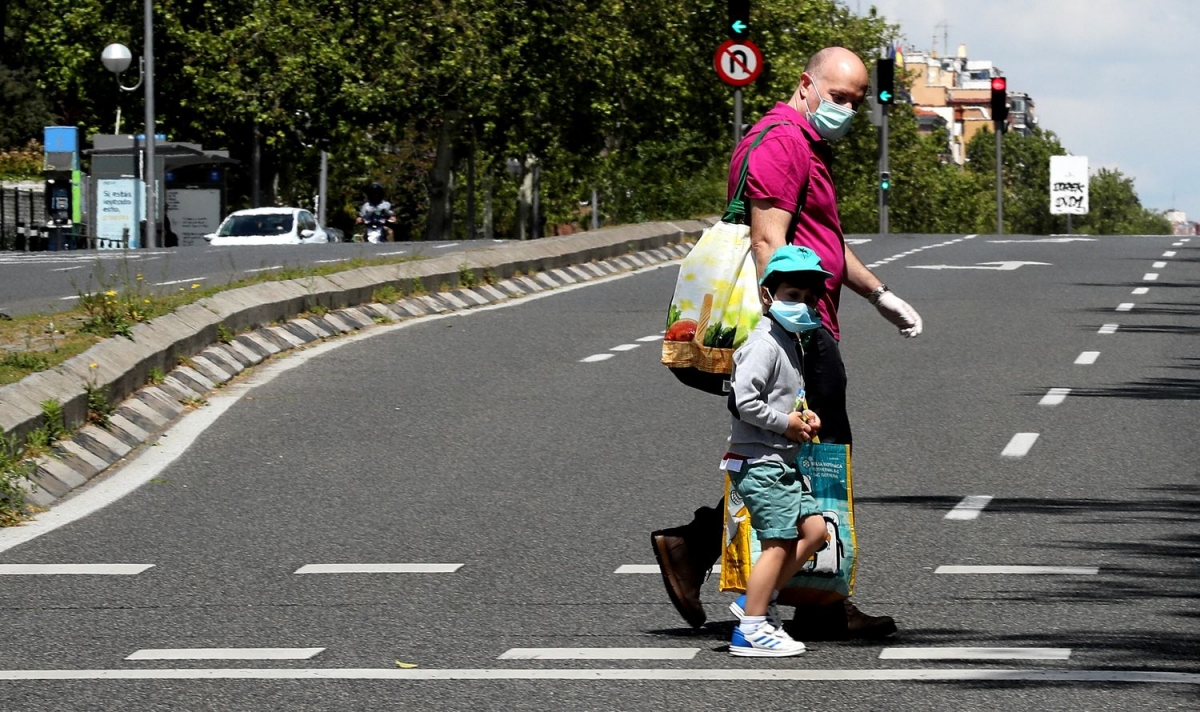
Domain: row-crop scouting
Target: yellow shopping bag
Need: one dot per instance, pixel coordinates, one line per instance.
(828, 577)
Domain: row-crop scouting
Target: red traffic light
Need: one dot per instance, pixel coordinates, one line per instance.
(999, 84)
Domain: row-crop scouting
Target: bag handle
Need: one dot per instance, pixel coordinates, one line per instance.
(736, 210)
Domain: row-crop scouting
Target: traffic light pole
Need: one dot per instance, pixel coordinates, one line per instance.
(999, 183)
(737, 117)
(884, 227)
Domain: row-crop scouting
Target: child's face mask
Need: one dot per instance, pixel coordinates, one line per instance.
(796, 317)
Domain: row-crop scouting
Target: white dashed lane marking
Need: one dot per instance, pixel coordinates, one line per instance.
(915, 250)
(1141, 290)
(1054, 396)
(225, 654)
(1087, 358)
(1125, 306)
(1019, 445)
(1021, 570)
(1150, 277)
(969, 507)
(595, 358)
(263, 269)
(649, 569)
(378, 568)
(1158, 265)
(1169, 253)
(1108, 329)
(949, 653)
(179, 281)
(73, 569)
(599, 654)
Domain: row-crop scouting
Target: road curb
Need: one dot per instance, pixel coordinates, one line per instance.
(185, 346)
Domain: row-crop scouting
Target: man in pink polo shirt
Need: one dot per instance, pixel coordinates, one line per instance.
(792, 199)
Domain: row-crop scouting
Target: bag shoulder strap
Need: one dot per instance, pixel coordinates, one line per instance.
(735, 212)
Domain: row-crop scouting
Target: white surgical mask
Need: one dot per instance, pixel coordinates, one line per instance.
(830, 120)
(796, 317)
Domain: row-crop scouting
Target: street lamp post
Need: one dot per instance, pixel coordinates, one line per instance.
(116, 59)
(151, 192)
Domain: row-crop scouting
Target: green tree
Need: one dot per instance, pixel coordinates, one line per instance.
(1114, 208)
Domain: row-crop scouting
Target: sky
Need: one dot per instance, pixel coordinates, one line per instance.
(1117, 80)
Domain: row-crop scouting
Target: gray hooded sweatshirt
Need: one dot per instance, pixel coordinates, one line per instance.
(765, 382)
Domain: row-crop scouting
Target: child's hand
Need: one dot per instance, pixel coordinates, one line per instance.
(802, 426)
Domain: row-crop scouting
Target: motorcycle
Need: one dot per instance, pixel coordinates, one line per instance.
(374, 229)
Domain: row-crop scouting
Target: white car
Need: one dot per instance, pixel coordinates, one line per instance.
(269, 226)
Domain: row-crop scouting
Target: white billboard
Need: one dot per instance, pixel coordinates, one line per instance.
(194, 213)
(119, 212)
(1068, 185)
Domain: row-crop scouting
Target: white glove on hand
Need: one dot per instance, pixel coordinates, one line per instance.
(897, 311)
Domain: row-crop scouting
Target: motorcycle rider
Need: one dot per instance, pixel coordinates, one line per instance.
(376, 208)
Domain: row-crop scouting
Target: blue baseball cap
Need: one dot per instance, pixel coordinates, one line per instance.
(793, 258)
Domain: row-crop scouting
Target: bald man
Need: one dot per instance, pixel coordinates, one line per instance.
(792, 200)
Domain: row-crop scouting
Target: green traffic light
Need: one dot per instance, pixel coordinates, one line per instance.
(886, 185)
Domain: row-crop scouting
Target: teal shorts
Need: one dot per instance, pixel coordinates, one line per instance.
(776, 496)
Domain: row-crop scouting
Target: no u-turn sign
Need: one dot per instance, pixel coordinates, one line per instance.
(738, 62)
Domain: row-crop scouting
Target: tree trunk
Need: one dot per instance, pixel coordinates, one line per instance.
(488, 232)
(439, 223)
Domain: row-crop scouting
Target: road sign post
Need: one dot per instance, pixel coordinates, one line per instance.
(738, 63)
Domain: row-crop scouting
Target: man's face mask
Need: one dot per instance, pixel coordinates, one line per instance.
(831, 120)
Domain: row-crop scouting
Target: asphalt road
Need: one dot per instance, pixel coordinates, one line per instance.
(50, 281)
(486, 440)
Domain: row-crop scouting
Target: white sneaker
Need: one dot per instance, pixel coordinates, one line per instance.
(737, 608)
(766, 641)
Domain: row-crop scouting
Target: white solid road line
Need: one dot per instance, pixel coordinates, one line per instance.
(1108, 329)
(325, 262)
(66, 269)
(1150, 277)
(263, 269)
(179, 281)
(624, 347)
(975, 654)
(1055, 396)
(1019, 445)
(1169, 253)
(649, 569)
(1021, 570)
(1158, 265)
(596, 357)
(969, 507)
(378, 568)
(599, 654)
(1087, 358)
(66, 299)
(650, 339)
(73, 569)
(1140, 290)
(1125, 306)
(225, 654)
(664, 674)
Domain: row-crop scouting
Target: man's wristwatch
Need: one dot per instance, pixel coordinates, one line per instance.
(876, 293)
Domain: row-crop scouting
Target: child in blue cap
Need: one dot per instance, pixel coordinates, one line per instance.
(769, 423)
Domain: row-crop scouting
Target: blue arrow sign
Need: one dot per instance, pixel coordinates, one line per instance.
(885, 95)
(739, 26)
